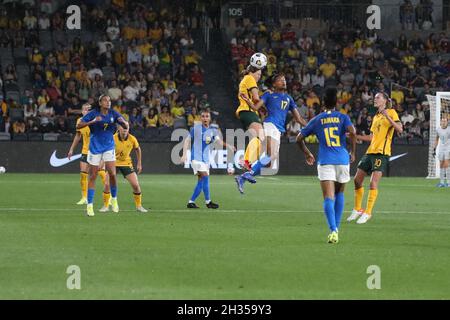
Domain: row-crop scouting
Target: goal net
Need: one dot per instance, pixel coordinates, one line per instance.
(439, 108)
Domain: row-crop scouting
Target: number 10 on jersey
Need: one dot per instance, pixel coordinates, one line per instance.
(333, 140)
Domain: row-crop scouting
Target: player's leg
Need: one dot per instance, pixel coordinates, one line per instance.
(252, 123)
(197, 190)
(206, 191)
(443, 166)
(446, 166)
(372, 197)
(93, 161)
(327, 177)
(106, 190)
(110, 164)
(83, 180)
(343, 176)
(379, 164)
(137, 193)
(364, 169)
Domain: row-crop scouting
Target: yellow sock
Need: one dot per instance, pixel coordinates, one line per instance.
(84, 184)
(373, 194)
(137, 199)
(359, 194)
(106, 197)
(253, 150)
(102, 174)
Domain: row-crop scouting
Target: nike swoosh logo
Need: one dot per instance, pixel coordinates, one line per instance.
(397, 157)
(57, 162)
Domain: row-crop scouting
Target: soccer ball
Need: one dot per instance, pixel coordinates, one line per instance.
(230, 169)
(258, 60)
(2, 170)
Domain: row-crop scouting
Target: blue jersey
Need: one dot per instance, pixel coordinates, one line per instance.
(102, 132)
(278, 105)
(201, 139)
(330, 128)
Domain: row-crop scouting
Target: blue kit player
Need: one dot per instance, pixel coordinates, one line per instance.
(102, 124)
(201, 137)
(331, 128)
(278, 105)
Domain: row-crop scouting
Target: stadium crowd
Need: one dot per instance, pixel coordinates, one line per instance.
(360, 64)
(143, 57)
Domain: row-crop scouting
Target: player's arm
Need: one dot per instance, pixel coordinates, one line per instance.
(352, 136)
(186, 146)
(435, 145)
(254, 94)
(367, 138)
(123, 123)
(83, 124)
(302, 145)
(225, 145)
(139, 159)
(298, 118)
(250, 103)
(396, 124)
(75, 142)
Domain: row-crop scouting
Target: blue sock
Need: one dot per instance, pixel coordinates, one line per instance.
(256, 167)
(328, 207)
(90, 196)
(114, 191)
(197, 190)
(206, 188)
(339, 208)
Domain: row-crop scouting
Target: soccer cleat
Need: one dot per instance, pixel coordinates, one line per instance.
(212, 205)
(115, 205)
(192, 205)
(355, 215)
(240, 183)
(441, 185)
(364, 218)
(82, 201)
(90, 210)
(247, 176)
(141, 209)
(104, 209)
(333, 237)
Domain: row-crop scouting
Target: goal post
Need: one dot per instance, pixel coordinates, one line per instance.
(439, 108)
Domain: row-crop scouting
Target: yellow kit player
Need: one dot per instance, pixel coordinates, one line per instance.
(83, 134)
(125, 143)
(376, 159)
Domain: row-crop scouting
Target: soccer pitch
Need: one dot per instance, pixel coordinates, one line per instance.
(268, 244)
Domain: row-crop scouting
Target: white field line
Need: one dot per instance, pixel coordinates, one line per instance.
(218, 211)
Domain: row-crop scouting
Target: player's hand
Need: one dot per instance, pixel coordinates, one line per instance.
(97, 118)
(310, 159)
(139, 168)
(245, 98)
(69, 154)
(352, 158)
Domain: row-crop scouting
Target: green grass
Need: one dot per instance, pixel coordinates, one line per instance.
(268, 244)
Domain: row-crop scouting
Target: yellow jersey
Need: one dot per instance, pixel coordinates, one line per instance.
(245, 87)
(85, 134)
(123, 150)
(383, 132)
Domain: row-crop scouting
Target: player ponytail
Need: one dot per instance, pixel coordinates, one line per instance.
(248, 70)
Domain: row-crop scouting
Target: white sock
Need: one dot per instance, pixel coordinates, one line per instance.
(448, 174)
(442, 175)
(190, 201)
(208, 201)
